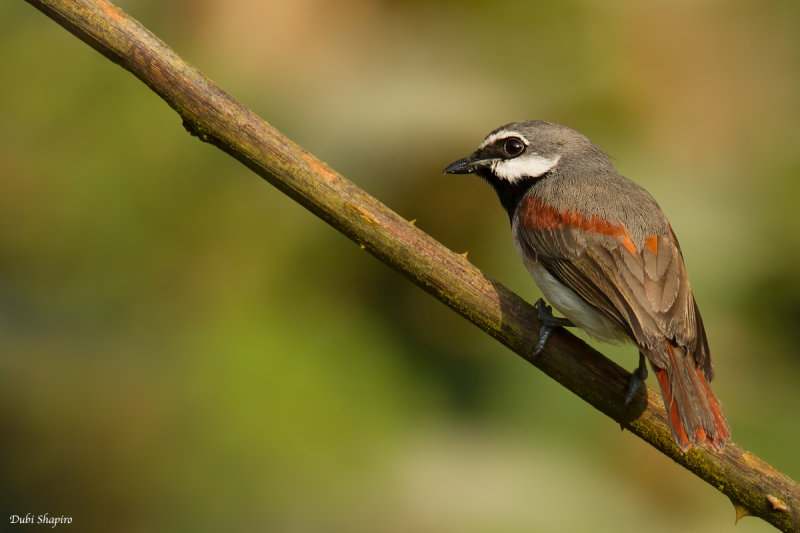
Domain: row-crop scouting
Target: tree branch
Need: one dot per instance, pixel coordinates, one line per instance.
(208, 112)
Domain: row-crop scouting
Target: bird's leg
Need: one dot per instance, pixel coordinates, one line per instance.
(549, 322)
(638, 377)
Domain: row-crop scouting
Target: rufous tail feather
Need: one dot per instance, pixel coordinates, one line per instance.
(693, 411)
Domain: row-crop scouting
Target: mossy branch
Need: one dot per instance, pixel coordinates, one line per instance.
(755, 487)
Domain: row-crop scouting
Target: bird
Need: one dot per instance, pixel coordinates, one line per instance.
(605, 256)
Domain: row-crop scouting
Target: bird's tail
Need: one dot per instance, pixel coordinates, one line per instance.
(693, 411)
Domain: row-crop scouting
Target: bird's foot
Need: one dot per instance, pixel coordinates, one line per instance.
(549, 322)
(638, 377)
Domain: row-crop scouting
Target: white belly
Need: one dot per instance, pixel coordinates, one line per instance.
(573, 306)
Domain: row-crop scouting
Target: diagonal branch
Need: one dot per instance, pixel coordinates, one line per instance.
(210, 113)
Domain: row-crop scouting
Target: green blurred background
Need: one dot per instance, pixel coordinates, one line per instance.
(183, 348)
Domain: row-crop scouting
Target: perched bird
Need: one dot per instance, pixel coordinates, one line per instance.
(604, 255)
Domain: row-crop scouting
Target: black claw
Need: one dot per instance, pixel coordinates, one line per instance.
(544, 334)
(549, 323)
(638, 377)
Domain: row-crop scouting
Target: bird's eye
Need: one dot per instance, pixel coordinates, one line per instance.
(513, 146)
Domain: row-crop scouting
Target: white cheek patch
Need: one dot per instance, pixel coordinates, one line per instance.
(526, 166)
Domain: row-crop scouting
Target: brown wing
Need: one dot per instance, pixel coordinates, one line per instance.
(646, 292)
(643, 289)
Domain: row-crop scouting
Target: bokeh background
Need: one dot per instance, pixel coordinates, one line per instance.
(183, 348)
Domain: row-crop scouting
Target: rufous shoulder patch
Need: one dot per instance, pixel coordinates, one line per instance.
(535, 215)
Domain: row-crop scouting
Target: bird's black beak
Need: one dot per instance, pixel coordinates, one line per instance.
(467, 165)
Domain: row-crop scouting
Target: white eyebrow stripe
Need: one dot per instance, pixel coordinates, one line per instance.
(531, 166)
(502, 134)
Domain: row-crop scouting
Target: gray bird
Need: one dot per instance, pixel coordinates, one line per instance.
(603, 254)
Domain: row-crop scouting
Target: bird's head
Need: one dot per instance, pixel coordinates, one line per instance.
(514, 156)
